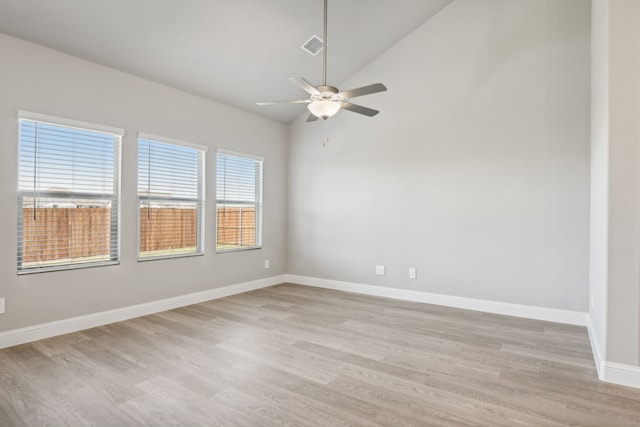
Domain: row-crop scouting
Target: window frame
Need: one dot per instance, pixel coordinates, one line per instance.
(201, 200)
(258, 203)
(115, 198)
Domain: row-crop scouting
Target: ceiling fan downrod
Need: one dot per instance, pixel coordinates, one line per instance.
(324, 50)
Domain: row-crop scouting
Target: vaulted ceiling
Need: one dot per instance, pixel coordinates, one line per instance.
(236, 52)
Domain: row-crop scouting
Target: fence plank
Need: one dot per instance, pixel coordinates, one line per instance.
(60, 233)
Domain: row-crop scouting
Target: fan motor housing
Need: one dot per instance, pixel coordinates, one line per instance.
(327, 93)
(327, 90)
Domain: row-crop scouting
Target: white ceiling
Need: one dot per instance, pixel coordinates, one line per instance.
(236, 52)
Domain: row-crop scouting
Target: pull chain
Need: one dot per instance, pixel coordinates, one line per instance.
(325, 140)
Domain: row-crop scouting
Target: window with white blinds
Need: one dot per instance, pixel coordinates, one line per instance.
(170, 198)
(238, 201)
(68, 194)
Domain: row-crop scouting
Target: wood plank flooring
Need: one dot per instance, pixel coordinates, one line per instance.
(298, 356)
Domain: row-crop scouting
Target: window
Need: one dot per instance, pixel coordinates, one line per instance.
(239, 201)
(68, 194)
(170, 198)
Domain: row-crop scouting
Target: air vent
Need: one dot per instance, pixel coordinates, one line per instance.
(313, 46)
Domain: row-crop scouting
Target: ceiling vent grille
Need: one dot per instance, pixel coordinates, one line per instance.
(313, 46)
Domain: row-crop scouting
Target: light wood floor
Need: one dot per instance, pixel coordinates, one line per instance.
(297, 356)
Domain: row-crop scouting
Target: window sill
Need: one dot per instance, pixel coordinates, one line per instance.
(155, 258)
(224, 251)
(66, 267)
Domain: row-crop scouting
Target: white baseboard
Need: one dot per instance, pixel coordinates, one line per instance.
(516, 310)
(622, 374)
(598, 357)
(75, 324)
(612, 372)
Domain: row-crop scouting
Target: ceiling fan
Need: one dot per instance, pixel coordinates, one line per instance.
(325, 101)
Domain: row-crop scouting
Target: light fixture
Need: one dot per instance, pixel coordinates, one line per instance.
(325, 101)
(324, 108)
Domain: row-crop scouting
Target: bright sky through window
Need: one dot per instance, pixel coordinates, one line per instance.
(242, 172)
(167, 170)
(65, 159)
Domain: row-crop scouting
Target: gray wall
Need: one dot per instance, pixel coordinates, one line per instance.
(623, 269)
(476, 172)
(36, 79)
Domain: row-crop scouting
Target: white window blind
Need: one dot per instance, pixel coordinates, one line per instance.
(68, 194)
(170, 198)
(238, 201)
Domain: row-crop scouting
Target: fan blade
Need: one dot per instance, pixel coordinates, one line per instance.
(312, 118)
(301, 101)
(305, 85)
(359, 109)
(364, 90)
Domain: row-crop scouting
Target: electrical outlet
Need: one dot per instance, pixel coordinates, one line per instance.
(412, 273)
(380, 270)
(266, 263)
(1, 305)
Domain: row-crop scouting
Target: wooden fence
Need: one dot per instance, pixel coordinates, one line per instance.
(236, 226)
(167, 228)
(59, 233)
